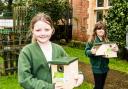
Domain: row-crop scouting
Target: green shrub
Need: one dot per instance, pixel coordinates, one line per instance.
(77, 44)
(117, 23)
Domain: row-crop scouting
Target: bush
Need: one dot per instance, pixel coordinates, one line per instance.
(77, 44)
(117, 20)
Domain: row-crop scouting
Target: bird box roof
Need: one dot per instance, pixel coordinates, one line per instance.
(63, 60)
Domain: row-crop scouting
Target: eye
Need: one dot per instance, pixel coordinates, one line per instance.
(38, 30)
(46, 29)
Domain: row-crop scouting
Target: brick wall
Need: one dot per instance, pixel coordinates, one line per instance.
(80, 16)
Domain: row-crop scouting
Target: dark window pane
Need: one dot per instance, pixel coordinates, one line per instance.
(109, 2)
(100, 3)
(99, 15)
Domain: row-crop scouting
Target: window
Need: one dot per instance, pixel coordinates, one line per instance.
(100, 3)
(109, 2)
(99, 15)
(101, 9)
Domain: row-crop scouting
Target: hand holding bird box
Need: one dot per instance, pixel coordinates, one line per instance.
(65, 72)
(108, 50)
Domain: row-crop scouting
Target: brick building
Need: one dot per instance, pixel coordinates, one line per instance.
(85, 14)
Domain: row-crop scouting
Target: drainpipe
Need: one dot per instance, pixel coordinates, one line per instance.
(126, 41)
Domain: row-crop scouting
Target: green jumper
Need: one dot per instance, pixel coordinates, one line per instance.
(99, 63)
(33, 69)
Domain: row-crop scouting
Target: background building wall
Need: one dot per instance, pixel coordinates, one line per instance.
(79, 20)
(85, 14)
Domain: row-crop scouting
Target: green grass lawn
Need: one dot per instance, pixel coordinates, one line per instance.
(10, 82)
(115, 63)
(85, 85)
(1, 60)
(1, 64)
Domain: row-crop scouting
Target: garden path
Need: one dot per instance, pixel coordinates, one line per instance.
(115, 79)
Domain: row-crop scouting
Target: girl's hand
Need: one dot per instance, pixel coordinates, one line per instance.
(93, 50)
(59, 85)
(78, 80)
(115, 48)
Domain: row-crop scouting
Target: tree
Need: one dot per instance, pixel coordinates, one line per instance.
(117, 22)
(9, 6)
(1, 7)
(57, 9)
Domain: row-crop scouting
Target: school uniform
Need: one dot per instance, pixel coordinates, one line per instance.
(33, 69)
(99, 65)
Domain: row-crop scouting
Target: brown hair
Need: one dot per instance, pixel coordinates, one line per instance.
(99, 25)
(41, 17)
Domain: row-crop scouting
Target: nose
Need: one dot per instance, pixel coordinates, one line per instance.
(42, 32)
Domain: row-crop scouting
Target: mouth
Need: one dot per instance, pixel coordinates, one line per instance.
(43, 36)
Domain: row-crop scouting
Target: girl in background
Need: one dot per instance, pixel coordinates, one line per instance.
(99, 64)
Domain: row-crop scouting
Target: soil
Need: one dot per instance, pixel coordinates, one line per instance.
(115, 79)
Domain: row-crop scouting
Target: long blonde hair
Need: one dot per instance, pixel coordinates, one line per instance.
(40, 17)
(99, 25)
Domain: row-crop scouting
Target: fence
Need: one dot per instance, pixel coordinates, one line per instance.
(12, 38)
(10, 57)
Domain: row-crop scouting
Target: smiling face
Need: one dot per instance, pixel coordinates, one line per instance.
(42, 31)
(100, 32)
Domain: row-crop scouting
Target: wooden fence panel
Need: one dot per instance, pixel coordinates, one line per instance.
(12, 40)
(10, 57)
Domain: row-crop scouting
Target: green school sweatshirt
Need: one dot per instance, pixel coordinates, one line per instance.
(99, 63)
(33, 68)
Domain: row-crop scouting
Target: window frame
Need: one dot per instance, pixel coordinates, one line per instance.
(104, 8)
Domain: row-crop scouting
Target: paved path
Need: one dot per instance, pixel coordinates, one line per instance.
(115, 79)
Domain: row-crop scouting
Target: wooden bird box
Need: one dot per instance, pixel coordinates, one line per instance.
(105, 49)
(64, 70)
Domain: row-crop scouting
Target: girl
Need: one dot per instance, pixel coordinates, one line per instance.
(99, 64)
(33, 69)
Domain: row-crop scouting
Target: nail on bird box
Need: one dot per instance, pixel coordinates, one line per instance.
(64, 70)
